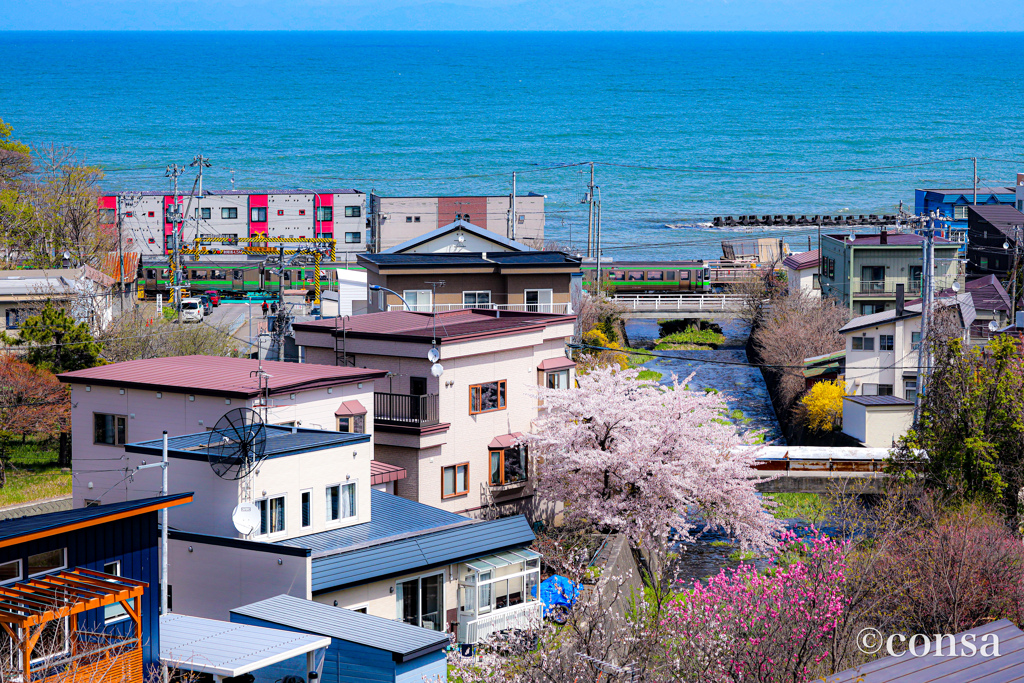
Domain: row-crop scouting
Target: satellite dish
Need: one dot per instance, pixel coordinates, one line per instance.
(245, 517)
(436, 369)
(237, 443)
(433, 355)
(956, 286)
(992, 326)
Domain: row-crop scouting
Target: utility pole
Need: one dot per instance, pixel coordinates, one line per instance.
(975, 181)
(597, 236)
(202, 162)
(590, 213)
(173, 172)
(927, 295)
(120, 254)
(512, 229)
(281, 317)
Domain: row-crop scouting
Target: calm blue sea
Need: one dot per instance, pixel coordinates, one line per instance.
(453, 113)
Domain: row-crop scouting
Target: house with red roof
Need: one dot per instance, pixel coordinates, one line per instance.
(453, 424)
(802, 270)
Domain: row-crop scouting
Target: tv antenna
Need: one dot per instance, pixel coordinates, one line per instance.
(237, 445)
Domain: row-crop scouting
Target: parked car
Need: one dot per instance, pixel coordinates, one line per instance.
(207, 305)
(191, 311)
(214, 296)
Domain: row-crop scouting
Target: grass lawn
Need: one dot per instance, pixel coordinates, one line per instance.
(33, 473)
(692, 338)
(810, 507)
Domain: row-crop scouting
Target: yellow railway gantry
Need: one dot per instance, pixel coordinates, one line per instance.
(260, 244)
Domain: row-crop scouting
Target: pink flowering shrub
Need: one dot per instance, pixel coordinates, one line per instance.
(766, 627)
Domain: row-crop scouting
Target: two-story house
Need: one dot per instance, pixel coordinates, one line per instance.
(112, 405)
(453, 426)
(464, 266)
(882, 348)
(994, 239)
(863, 271)
(325, 526)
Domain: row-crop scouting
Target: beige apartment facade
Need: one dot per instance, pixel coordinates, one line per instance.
(456, 435)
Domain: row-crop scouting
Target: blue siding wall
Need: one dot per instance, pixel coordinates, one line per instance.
(353, 663)
(132, 541)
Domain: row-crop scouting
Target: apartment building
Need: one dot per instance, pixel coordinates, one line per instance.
(454, 429)
(145, 223)
(864, 271)
(394, 220)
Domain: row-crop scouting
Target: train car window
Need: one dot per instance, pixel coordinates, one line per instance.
(164, 272)
(656, 275)
(616, 275)
(151, 274)
(217, 274)
(198, 273)
(684, 275)
(636, 275)
(236, 275)
(288, 275)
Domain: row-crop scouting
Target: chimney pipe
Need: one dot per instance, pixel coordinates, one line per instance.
(899, 300)
(883, 238)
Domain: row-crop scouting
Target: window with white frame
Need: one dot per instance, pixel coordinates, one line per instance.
(539, 300)
(51, 560)
(113, 612)
(272, 518)
(960, 213)
(307, 509)
(476, 299)
(341, 501)
(418, 299)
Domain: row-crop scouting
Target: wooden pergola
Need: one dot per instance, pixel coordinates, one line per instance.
(28, 606)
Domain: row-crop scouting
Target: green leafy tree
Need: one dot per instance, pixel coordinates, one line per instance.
(970, 433)
(55, 342)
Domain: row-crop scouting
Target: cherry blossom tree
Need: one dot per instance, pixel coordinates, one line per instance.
(652, 462)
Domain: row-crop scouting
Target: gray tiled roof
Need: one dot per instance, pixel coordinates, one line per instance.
(396, 637)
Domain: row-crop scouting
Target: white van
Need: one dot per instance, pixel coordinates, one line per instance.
(191, 311)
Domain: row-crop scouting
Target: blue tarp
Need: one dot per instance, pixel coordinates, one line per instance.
(557, 595)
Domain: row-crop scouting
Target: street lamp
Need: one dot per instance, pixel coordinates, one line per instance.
(378, 288)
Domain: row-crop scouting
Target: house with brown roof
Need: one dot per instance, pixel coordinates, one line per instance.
(453, 425)
(802, 270)
(994, 234)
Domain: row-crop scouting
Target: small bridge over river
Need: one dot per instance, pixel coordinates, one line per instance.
(707, 306)
(814, 469)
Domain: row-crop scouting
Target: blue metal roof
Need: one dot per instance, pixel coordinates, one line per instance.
(390, 516)
(396, 637)
(281, 441)
(419, 552)
(55, 522)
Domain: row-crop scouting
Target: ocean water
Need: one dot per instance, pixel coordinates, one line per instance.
(681, 126)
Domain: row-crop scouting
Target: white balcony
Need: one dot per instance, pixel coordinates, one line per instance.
(522, 616)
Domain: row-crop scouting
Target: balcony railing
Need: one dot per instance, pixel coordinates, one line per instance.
(558, 309)
(884, 288)
(522, 616)
(405, 410)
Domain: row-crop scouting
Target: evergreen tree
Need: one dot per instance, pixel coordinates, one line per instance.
(56, 342)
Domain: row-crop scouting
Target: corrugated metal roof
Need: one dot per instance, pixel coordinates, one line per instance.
(112, 263)
(55, 522)
(805, 259)
(389, 516)
(430, 548)
(1003, 217)
(382, 472)
(396, 637)
(222, 648)
(878, 400)
(451, 326)
(280, 441)
(977, 668)
(218, 375)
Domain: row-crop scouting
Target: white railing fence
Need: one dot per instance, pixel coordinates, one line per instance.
(680, 302)
(557, 309)
(526, 615)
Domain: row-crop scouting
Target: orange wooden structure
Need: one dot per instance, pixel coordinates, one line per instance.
(27, 607)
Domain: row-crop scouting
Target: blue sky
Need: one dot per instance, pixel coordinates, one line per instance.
(542, 15)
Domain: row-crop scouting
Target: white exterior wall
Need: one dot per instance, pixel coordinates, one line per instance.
(139, 228)
(802, 279)
(291, 224)
(449, 244)
(394, 211)
(882, 367)
(355, 224)
(876, 426)
(379, 597)
(100, 470)
(211, 580)
(529, 216)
